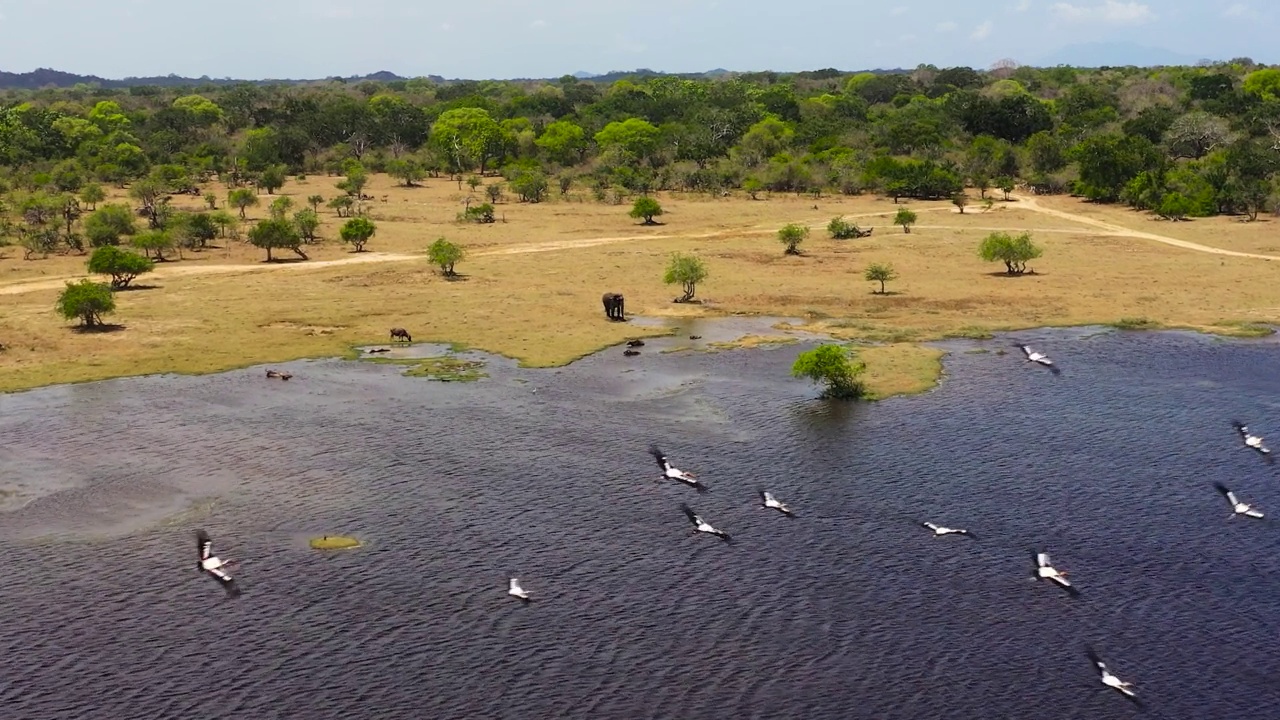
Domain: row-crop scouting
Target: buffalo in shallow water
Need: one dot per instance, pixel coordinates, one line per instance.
(400, 334)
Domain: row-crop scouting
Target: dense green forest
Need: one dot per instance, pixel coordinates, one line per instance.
(1180, 141)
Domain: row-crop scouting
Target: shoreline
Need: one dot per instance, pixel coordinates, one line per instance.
(925, 375)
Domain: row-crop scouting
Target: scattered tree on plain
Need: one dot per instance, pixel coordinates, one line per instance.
(86, 301)
(108, 223)
(881, 273)
(791, 235)
(241, 199)
(445, 255)
(123, 266)
(647, 208)
(307, 222)
(92, 194)
(1014, 251)
(835, 368)
(357, 232)
(276, 234)
(687, 271)
(906, 218)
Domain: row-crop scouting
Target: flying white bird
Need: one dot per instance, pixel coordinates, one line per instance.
(514, 590)
(672, 473)
(1237, 507)
(1253, 442)
(767, 500)
(1046, 570)
(701, 525)
(1040, 358)
(939, 531)
(1109, 679)
(215, 566)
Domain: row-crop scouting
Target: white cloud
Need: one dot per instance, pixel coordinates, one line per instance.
(902, 10)
(982, 31)
(946, 27)
(1111, 11)
(1238, 10)
(1022, 6)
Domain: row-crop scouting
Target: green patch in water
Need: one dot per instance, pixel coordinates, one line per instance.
(444, 368)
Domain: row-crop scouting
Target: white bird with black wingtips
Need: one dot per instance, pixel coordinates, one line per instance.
(939, 530)
(767, 500)
(701, 525)
(215, 566)
(1237, 507)
(1045, 570)
(1039, 358)
(1251, 441)
(673, 473)
(1108, 678)
(514, 590)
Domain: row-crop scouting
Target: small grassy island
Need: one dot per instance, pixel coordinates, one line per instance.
(334, 542)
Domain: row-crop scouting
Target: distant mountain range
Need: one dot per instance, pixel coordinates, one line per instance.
(1084, 55)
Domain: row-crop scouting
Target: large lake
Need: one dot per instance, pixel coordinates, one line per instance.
(847, 611)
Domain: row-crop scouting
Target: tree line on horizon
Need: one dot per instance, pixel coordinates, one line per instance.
(1178, 141)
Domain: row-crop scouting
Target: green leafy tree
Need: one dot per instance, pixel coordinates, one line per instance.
(315, 201)
(635, 138)
(647, 208)
(357, 232)
(155, 243)
(467, 136)
(473, 182)
(108, 223)
(407, 170)
(834, 367)
(198, 229)
(355, 181)
(841, 229)
(791, 235)
(241, 199)
(280, 207)
(1174, 206)
(906, 218)
(881, 273)
(211, 201)
(444, 255)
(1014, 251)
(960, 200)
(273, 178)
(531, 185)
(686, 271)
(563, 142)
(92, 194)
(275, 234)
(342, 205)
(123, 266)
(493, 191)
(86, 301)
(308, 222)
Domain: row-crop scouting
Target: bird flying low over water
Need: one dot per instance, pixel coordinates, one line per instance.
(1251, 441)
(1046, 570)
(1237, 507)
(1109, 679)
(701, 525)
(767, 500)
(939, 531)
(1040, 358)
(672, 473)
(214, 565)
(514, 590)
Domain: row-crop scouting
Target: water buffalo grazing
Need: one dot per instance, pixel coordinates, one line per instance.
(635, 343)
(613, 306)
(630, 353)
(400, 334)
(281, 375)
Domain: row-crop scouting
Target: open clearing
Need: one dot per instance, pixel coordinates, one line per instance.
(532, 282)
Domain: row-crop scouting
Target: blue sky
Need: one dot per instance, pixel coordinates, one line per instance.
(548, 38)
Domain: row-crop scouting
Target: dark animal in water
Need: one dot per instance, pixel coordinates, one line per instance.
(635, 343)
(613, 306)
(281, 375)
(695, 337)
(400, 334)
(629, 353)
(378, 350)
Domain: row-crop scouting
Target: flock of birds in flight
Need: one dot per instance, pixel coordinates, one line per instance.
(1043, 566)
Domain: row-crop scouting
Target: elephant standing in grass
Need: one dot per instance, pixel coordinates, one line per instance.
(613, 306)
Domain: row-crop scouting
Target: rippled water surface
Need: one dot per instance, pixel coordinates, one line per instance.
(847, 611)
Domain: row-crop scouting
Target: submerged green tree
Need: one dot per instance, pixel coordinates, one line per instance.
(835, 367)
(87, 301)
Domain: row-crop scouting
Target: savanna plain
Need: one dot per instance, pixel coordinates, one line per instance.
(530, 284)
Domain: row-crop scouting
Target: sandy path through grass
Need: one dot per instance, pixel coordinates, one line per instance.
(1027, 203)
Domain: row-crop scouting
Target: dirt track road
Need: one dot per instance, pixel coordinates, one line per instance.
(1024, 203)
